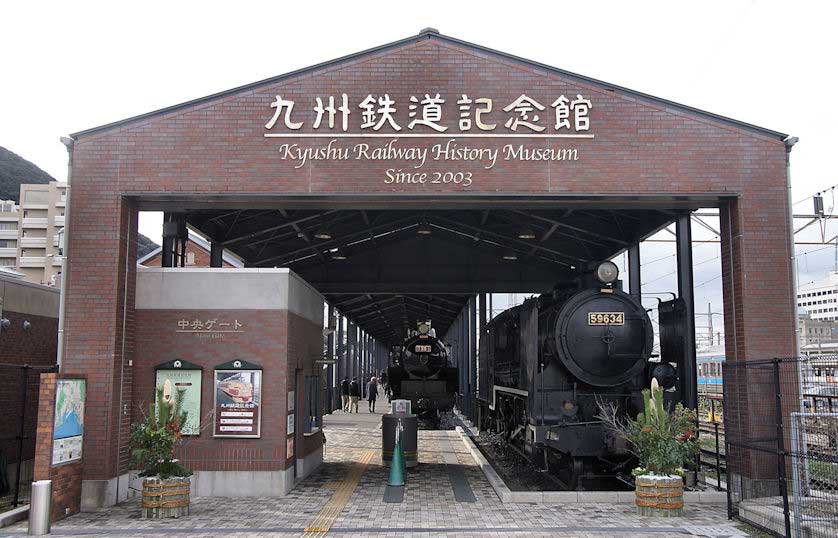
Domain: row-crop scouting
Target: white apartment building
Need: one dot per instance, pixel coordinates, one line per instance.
(41, 218)
(820, 299)
(8, 234)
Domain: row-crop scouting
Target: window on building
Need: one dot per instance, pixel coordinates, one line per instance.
(7, 243)
(8, 225)
(7, 262)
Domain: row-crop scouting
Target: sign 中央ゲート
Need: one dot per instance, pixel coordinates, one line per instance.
(411, 145)
(68, 426)
(180, 375)
(209, 328)
(238, 401)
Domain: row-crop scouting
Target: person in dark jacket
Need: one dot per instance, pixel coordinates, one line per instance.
(372, 393)
(354, 394)
(344, 394)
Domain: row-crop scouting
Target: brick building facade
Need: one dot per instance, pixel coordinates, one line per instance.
(636, 150)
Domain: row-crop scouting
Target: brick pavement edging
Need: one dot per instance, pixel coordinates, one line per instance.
(562, 497)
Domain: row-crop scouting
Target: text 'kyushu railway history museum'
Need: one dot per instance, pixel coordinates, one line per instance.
(372, 194)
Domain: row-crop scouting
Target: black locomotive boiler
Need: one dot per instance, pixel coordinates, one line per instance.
(420, 372)
(552, 360)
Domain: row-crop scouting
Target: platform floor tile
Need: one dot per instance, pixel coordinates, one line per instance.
(345, 498)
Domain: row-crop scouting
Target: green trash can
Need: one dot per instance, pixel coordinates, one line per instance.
(410, 432)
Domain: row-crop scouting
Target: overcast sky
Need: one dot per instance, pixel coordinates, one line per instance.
(68, 66)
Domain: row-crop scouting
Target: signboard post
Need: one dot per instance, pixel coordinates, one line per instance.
(238, 400)
(182, 375)
(68, 428)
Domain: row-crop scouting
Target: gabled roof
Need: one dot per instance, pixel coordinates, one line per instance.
(430, 33)
(200, 242)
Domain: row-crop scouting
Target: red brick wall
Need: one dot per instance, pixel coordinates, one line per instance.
(35, 347)
(66, 478)
(202, 257)
(216, 147)
(262, 343)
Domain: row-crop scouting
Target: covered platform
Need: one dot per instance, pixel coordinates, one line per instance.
(345, 498)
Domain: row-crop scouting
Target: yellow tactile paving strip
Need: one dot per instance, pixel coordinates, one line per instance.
(328, 514)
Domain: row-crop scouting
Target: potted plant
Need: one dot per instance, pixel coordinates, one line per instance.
(664, 442)
(165, 491)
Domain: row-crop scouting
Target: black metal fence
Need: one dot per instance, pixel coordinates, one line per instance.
(711, 437)
(781, 445)
(19, 386)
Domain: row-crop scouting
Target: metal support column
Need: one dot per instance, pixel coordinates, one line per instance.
(481, 326)
(351, 334)
(169, 236)
(364, 344)
(462, 355)
(341, 352)
(634, 270)
(217, 255)
(472, 354)
(683, 246)
(330, 354)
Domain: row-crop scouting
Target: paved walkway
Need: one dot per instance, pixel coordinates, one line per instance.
(345, 497)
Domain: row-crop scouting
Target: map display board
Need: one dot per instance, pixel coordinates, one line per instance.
(68, 428)
(189, 381)
(238, 401)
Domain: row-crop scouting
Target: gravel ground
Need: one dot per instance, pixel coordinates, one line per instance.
(516, 472)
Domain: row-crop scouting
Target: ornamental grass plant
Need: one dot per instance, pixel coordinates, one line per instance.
(154, 440)
(663, 440)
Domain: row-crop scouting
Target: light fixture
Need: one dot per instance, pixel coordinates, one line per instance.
(526, 233)
(607, 272)
(338, 254)
(424, 229)
(510, 255)
(322, 233)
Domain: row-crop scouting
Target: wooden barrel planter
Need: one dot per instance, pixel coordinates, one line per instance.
(659, 496)
(165, 497)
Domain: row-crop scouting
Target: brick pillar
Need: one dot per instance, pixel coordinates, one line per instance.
(760, 323)
(101, 278)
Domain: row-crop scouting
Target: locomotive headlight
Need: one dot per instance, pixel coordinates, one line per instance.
(607, 272)
(424, 328)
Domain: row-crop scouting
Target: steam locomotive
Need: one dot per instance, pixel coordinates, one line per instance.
(419, 371)
(551, 361)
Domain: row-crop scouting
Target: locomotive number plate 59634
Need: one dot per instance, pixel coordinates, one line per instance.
(422, 348)
(606, 318)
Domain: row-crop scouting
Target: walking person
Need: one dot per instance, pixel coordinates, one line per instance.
(344, 394)
(354, 394)
(372, 393)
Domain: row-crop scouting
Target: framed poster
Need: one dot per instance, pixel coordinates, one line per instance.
(180, 375)
(238, 400)
(68, 427)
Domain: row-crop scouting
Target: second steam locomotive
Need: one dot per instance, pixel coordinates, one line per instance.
(553, 360)
(420, 372)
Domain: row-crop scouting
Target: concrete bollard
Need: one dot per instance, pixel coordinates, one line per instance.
(40, 507)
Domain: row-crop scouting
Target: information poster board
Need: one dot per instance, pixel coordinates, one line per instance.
(238, 400)
(68, 428)
(182, 375)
